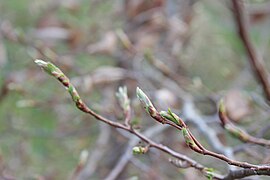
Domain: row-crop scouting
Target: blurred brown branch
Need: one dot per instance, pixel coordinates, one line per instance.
(255, 58)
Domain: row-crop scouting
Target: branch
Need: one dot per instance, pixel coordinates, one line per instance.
(52, 70)
(175, 121)
(189, 112)
(255, 60)
(236, 131)
(169, 118)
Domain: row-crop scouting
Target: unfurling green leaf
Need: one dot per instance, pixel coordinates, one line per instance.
(168, 116)
(175, 118)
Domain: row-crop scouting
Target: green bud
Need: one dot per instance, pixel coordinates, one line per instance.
(209, 173)
(145, 101)
(83, 157)
(168, 116)
(60, 76)
(187, 137)
(41, 63)
(175, 118)
(74, 94)
(138, 150)
(221, 106)
(123, 98)
(148, 55)
(165, 115)
(49, 68)
(237, 132)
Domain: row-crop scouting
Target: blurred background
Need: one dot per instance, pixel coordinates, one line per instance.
(169, 48)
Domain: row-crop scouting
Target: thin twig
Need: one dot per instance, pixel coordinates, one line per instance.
(236, 131)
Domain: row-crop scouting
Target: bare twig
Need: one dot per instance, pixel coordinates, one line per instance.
(255, 59)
